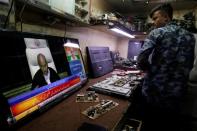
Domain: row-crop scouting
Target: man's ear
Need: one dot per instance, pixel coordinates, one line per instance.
(167, 18)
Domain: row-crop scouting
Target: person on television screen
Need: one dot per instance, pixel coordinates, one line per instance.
(73, 56)
(45, 75)
(167, 57)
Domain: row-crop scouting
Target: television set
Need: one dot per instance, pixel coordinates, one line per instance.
(74, 58)
(16, 76)
(99, 60)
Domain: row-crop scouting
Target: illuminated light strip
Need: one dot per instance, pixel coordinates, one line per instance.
(117, 30)
(74, 81)
(25, 113)
(56, 96)
(18, 117)
(24, 105)
(22, 97)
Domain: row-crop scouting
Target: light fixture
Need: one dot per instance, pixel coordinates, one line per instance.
(120, 28)
(120, 31)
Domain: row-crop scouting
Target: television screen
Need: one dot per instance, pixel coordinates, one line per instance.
(75, 59)
(57, 50)
(14, 67)
(28, 102)
(16, 77)
(72, 53)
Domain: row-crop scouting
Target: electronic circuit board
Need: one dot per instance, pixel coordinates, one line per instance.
(103, 107)
(118, 85)
(89, 96)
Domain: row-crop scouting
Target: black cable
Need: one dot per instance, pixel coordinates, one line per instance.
(64, 34)
(6, 21)
(65, 31)
(21, 14)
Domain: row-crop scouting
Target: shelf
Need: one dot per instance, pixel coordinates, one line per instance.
(106, 24)
(41, 10)
(105, 29)
(112, 23)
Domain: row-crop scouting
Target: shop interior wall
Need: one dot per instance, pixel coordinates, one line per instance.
(87, 36)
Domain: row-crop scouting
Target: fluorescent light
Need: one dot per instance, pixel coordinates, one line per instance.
(117, 30)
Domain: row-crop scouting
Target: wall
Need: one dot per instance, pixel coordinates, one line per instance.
(91, 37)
(178, 14)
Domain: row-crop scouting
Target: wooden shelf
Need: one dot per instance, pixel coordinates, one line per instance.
(40, 12)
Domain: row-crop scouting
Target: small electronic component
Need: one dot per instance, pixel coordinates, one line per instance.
(134, 83)
(121, 82)
(132, 125)
(128, 128)
(89, 96)
(104, 106)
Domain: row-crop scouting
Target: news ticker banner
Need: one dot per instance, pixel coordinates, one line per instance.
(28, 102)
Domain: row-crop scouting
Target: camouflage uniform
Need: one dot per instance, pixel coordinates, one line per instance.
(167, 57)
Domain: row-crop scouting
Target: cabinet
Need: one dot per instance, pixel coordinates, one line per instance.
(82, 10)
(63, 6)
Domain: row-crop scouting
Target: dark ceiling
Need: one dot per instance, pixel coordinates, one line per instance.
(142, 7)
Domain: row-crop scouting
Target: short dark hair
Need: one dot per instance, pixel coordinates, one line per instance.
(167, 8)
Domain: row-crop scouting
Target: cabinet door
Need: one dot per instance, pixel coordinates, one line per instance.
(64, 6)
